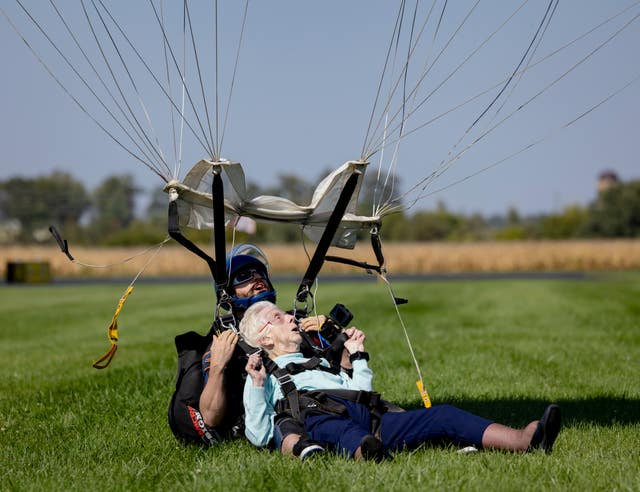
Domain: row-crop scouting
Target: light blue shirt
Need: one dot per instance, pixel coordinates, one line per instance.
(259, 403)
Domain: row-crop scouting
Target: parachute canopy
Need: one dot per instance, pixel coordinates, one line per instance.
(194, 198)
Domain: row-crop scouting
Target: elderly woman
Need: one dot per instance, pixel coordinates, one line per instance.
(349, 428)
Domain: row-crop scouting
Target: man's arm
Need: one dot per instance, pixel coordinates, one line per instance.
(213, 401)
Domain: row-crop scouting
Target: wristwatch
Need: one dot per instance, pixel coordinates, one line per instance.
(358, 356)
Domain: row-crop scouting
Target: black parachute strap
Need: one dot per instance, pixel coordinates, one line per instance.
(377, 248)
(327, 237)
(313, 363)
(64, 246)
(176, 234)
(219, 241)
(359, 264)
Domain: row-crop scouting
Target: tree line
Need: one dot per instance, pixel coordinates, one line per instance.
(107, 214)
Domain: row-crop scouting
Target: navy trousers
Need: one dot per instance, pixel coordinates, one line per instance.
(399, 430)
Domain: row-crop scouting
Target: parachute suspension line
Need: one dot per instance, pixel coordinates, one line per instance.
(391, 208)
(155, 78)
(157, 149)
(112, 329)
(426, 72)
(235, 71)
(524, 56)
(183, 87)
(126, 260)
(73, 98)
(364, 152)
(170, 89)
(424, 183)
(448, 161)
(391, 169)
(445, 80)
(215, 30)
(420, 383)
(109, 92)
(531, 144)
(215, 155)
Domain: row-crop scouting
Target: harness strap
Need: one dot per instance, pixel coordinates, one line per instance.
(327, 237)
(174, 232)
(313, 363)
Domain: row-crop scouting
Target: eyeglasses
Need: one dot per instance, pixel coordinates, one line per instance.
(265, 326)
(244, 276)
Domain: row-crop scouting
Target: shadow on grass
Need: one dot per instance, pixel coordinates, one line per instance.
(603, 411)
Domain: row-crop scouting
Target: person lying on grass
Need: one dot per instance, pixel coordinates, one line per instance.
(221, 399)
(352, 428)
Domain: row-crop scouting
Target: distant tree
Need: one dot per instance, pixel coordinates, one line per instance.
(570, 223)
(113, 205)
(36, 203)
(616, 211)
(293, 187)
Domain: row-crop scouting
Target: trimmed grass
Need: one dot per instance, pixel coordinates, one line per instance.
(502, 349)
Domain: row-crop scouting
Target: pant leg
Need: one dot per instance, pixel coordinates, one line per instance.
(344, 433)
(441, 423)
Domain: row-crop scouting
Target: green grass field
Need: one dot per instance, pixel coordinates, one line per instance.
(502, 349)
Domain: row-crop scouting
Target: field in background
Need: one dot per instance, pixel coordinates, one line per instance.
(417, 258)
(502, 349)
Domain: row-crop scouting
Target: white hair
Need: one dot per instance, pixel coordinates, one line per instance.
(252, 321)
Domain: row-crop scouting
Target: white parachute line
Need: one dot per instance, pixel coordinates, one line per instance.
(424, 183)
(104, 85)
(217, 75)
(157, 81)
(530, 145)
(531, 66)
(76, 101)
(382, 78)
(153, 75)
(235, 71)
(202, 92)
(376, 145)
(126, 260)
(174, 136)
(183, 86)
(394, 159)
(157, 149)
(385, 115)
(209, 144)
(403, 72)
(404, 328)
(372, 150)
(448, 161)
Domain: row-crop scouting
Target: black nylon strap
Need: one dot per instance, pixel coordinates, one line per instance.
(174, 232)
(327, 237)
(64, 246)
(217, 193)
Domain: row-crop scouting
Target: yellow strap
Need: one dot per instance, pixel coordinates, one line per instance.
(112, 333)
(423, 394)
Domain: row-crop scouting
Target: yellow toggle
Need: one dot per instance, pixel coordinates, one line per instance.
(112, 333)
(423, 394)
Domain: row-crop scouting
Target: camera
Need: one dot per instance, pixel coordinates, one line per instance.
(339, 318)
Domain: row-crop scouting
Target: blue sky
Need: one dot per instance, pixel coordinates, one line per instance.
(305, 87)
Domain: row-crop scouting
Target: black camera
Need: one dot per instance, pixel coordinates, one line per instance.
(339, 318)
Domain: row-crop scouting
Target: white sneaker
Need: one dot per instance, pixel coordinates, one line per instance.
(311, 450)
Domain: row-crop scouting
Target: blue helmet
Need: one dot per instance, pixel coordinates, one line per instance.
(245, 259)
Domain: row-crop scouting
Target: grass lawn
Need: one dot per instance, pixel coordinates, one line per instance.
(502, 349)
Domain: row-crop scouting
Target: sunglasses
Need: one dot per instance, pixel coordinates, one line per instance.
(244, 276)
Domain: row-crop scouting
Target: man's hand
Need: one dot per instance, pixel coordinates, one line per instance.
(255, 369)
(222, 349)
(312, 323)
(355, 343)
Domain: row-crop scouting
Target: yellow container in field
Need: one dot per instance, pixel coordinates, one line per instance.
(28, 272)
